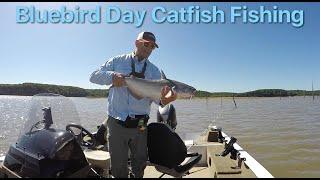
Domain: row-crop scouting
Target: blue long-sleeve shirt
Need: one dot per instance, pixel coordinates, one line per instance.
(120, 102)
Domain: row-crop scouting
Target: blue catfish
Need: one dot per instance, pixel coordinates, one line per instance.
(141, 88)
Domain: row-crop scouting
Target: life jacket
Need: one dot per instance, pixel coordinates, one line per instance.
(138, 74)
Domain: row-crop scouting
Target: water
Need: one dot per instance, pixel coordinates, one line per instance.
(281, 134)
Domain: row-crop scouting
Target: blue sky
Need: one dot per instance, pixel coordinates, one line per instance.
(213, 57)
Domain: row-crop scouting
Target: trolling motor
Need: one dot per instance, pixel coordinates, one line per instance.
(234, 154)
(228, 148)
(215, 134)
(167, 115)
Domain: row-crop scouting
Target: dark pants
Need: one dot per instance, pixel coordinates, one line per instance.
(120, 140)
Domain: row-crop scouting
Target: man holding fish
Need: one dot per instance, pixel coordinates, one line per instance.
(128, 107)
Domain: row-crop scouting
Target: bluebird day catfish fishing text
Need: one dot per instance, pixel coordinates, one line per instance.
(185, 15)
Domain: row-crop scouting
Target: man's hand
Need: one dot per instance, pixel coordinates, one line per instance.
(118, 79)
(167, 97)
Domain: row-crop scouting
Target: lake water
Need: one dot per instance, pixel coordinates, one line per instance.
(282, 134)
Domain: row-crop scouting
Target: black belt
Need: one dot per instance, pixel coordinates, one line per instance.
(131, 122)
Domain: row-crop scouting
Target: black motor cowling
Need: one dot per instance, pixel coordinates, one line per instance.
(45, 153)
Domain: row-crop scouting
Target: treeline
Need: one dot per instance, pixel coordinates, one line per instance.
(97, 92)
(260, 93)
(30, 89)
(216, 94)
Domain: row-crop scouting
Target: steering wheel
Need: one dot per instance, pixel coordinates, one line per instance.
(82, 137)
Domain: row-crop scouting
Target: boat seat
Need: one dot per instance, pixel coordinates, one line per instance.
(181, 169)
(167, 151)
(98, 159)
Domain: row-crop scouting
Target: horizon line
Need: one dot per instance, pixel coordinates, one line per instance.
(197, 89)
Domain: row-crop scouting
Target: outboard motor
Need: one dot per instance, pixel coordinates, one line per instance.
(45, 152)
(167, 115)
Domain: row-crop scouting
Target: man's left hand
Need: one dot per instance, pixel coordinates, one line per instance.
(167, 96)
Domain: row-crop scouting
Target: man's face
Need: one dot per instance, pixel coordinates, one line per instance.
(145, 48)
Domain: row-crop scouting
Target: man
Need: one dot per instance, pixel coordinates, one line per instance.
(125, 113)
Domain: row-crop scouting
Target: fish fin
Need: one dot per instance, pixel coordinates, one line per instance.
(163, 76)
(174, 88)
(111, 86)
(134, 94)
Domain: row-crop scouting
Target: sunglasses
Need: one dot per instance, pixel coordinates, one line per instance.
(149, 45)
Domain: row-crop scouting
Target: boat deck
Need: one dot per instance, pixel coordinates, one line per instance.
(196, 172)
(211, 165)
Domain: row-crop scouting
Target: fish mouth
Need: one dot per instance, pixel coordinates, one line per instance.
(192, 94)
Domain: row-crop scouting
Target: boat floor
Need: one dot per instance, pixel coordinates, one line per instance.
(221, 167)
(195, 172)
(211, 165)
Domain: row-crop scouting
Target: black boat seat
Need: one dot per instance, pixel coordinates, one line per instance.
(182, 169)
(167, 151)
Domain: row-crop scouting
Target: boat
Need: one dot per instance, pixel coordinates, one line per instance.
(53, 144)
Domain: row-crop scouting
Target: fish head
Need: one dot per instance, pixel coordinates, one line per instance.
(183, 90)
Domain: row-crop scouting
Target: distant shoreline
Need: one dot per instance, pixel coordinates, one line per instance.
(30, 89)
(203, 98)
